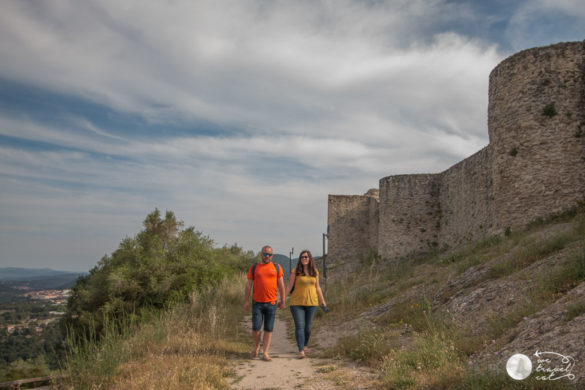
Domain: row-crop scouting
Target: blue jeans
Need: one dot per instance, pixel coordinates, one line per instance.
(263, 312)
(303, 316)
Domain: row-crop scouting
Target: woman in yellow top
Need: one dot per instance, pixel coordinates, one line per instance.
(303, 301)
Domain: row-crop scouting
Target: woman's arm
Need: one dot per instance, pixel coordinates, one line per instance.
(280, 284)
(319, 292)
(291, 283)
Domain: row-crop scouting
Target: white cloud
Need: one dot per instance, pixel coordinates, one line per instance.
(570, 7)
(269, 67)
(315, 97)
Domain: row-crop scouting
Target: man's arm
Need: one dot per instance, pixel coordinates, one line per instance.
(249, 285)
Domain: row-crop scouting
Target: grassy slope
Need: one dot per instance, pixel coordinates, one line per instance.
(447, 320)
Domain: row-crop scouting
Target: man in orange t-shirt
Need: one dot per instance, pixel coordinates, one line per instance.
(264, 278)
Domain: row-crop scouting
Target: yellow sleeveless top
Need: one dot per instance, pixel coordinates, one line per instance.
(305, 293)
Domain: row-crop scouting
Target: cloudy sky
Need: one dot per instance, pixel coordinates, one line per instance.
(239, 116)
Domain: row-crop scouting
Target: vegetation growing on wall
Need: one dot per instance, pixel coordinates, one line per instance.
(549, 110)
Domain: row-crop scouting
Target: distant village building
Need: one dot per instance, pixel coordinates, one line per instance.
(56, 296)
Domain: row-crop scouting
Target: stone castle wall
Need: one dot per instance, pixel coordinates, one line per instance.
(534, 166)
(538, 164)
(466, 200)
(359, 212)
(409, 212)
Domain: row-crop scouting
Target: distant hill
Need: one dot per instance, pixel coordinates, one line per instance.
(38, 279)
(14, 273)
(285, 263)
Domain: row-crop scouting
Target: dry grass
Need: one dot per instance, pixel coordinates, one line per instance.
(185, 347)
(179, 371)
(347, 377)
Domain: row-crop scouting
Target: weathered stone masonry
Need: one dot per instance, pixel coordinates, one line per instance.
(534, 166)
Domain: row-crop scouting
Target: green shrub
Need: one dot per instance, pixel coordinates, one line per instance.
(574, 310)
(161, 266)
(370, 346)
(570, 276)
(433, 360)
(20, 369)
(530, 254)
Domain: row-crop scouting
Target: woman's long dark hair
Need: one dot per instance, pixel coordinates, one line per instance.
(312, 269)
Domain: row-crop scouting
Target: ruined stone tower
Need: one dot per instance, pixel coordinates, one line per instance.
(534, 166)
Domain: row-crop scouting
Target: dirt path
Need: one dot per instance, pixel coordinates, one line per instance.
(285, 371)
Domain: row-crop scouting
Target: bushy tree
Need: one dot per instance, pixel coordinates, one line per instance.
(161, 265)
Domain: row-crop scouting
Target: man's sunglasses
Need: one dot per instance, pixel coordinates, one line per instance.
(266, 254)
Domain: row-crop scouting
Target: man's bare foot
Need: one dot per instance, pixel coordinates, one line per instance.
(254, 352)
(266, 358)
(306, 351)
(302, 355)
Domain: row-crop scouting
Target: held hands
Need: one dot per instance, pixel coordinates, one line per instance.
(247, 305)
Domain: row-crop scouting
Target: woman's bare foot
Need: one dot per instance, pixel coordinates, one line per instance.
(302, 355)
(306, 351)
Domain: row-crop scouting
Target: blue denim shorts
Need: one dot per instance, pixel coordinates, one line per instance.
(263, 312)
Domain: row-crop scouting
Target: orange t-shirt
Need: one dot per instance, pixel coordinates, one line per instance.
(265, 282)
